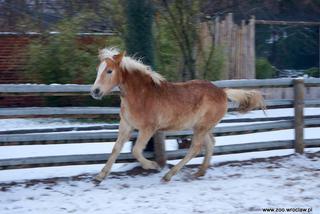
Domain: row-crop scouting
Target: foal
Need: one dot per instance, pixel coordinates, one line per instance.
(149, 103)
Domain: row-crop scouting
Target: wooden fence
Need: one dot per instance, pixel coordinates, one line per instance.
(237, 42)
(108, 133)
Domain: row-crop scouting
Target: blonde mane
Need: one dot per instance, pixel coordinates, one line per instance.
(131, 64)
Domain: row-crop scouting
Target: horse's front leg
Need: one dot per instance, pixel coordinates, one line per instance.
(124, 135)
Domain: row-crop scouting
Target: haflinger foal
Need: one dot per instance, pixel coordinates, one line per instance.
(149, 104)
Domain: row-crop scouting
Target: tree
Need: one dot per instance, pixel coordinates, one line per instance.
(181, 32)
(182, 17)
(139, 38)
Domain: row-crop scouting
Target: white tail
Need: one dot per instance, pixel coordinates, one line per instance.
(248, 100)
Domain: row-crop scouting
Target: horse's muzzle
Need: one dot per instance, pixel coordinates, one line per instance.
(96, 94)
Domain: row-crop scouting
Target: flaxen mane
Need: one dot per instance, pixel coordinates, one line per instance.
(131, 64)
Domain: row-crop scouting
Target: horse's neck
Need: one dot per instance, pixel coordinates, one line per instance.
(136, 88)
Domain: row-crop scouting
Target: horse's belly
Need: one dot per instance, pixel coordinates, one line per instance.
(179, 124)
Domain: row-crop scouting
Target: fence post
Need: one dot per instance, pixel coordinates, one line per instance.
(298, 85)
(160, 149)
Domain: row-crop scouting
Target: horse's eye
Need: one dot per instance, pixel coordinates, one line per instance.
(109, 71)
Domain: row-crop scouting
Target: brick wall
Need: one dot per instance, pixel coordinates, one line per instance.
(13, 56)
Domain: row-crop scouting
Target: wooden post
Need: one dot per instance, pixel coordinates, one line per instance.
(160, 149)
(252, 47)
(238, 41)
(229, 24)
(216, 31)
(319, 51)
(298, 85)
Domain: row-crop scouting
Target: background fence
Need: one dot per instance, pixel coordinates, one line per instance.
(108, 133)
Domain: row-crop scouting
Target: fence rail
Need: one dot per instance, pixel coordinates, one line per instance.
(108, 132)
(85, 112)
(73, 88)
(84, 159)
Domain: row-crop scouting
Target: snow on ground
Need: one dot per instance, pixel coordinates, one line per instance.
(14, 124)
(234, 187)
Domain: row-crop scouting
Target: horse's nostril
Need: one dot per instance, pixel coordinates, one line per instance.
(96, 91)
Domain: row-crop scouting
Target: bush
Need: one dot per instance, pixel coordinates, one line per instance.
(59, 58)
(64, 57)
(214, 64)
(264, 69)
(313, 72)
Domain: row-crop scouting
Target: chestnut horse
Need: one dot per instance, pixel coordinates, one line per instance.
(149, 104)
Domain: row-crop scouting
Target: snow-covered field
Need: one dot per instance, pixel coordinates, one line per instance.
(234, 187)
(237, 183)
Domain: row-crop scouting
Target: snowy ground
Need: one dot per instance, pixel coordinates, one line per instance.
(237, 183)
(229, 187)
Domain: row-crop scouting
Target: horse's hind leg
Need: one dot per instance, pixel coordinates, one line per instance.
(209, 143)
(195, 148)
(143, 138)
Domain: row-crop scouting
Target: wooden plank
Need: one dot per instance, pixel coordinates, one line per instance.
(109, 136)
(83, 112)
(116, 126)
(42, 88)
(252, 47)
(73, 88)
(246, 147)
(254, 83)
(311, 103)
(243, 70)
(63, 129)
(298, 115)
(312, 82)
(233, 51)
(48, 90)
(296, 23)
(312, 142)
(252, 128)
(62, 160)
(32, 111)
(237, 73)
(239, 129)
(216, 31)
(265, 119)
(227, 44)
(61, 136)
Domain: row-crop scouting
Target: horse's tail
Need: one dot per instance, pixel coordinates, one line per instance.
(247, 99)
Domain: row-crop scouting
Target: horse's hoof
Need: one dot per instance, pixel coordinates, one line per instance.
(152, 165)
(97, 180)
(164, 181)
(198, 174)
(166, 178)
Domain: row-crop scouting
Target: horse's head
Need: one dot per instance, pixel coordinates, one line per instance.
(108, 75)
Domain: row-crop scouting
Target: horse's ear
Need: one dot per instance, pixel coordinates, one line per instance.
(117, 58)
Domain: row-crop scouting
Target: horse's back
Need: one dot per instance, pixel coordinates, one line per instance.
(183, 105)
(196, 90)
